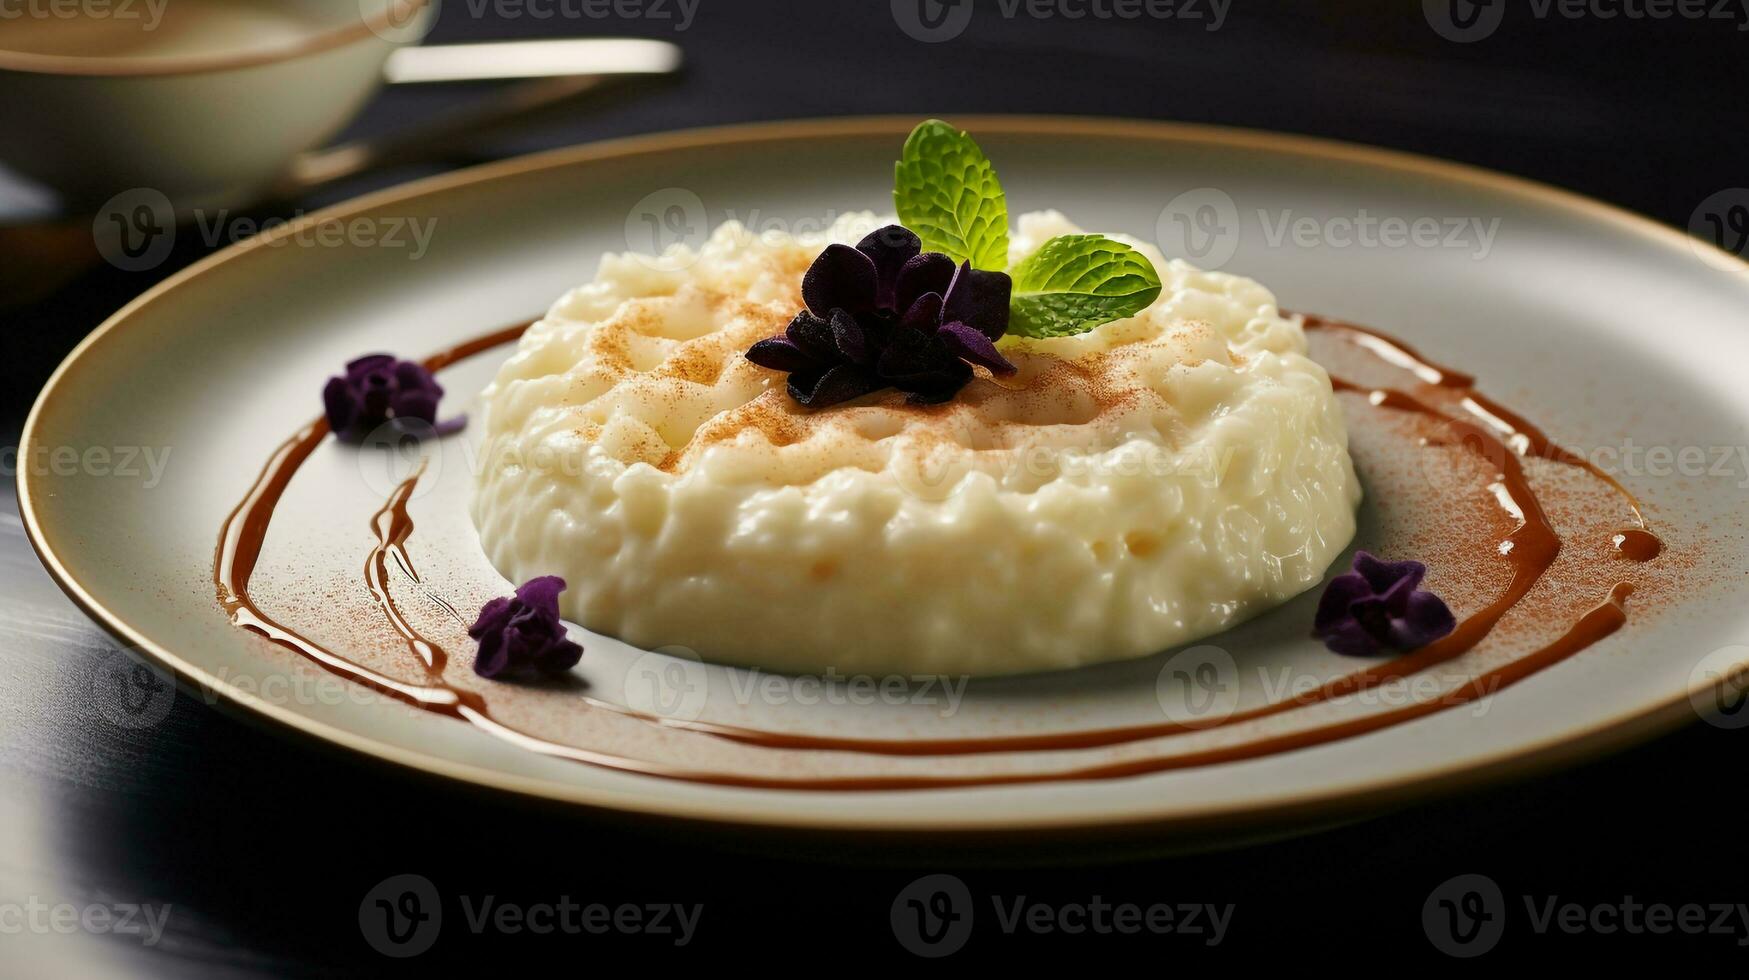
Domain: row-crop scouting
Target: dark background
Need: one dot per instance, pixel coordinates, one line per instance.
(265, 845)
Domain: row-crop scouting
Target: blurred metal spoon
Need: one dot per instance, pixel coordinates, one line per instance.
(531, 59)
(562, 70)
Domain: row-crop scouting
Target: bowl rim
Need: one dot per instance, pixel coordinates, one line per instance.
(393, 14)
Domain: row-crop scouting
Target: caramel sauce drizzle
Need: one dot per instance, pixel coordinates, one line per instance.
(245, 530)
(1531, 548)
(393, 527)
(1636, 543)
(239, 549)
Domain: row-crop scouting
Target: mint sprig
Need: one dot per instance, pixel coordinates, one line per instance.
(946, 191)
(1074, 283)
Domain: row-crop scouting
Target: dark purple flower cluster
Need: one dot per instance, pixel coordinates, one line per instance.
(1380, 605)
(886, 314)
(524, 635)
(377, 388)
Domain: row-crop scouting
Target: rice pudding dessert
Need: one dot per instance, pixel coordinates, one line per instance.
(938, 447)
(1142, 484)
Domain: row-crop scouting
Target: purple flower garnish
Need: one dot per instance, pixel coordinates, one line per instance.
(886, 314)
(377, 388)
(523, 635)
(1380, 605)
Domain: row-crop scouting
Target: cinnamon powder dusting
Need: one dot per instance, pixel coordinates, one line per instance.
(672, 369)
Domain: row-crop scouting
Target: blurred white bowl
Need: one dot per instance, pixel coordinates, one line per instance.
(203, 101)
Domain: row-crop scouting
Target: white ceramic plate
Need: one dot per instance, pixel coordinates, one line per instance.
(1608, 329)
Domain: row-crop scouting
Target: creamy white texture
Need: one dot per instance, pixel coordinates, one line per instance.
(1141, 485)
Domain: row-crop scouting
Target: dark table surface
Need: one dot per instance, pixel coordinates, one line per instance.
(257, 849)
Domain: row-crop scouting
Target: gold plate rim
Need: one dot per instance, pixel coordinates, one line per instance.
(1216, 820)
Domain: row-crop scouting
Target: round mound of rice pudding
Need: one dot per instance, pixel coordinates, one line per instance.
(1141, 485)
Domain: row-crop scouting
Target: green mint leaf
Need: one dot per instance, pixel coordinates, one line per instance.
(946, 191)
(1074, 283)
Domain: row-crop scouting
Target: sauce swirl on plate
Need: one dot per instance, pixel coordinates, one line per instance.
(1478, 423)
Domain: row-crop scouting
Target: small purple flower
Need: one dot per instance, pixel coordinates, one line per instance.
(524, 635)
(1380, 605)
(377, 388)
(886, 314)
